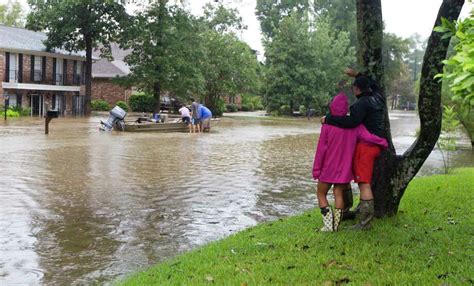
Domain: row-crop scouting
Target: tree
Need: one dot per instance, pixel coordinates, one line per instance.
(397, 81)
(304, 66)
(415, 56)
(270, 13)
(341, 15)
(459, 68)
(11, 14)
(166, 52)
(393, 172)
(78, 25)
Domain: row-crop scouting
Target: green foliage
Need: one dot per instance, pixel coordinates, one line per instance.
(426, 243)
(122, 104)
(285, 110)
(11, 14)
(231, 108)
(141, 102)
(166, 51)
(459, 69)
(271, 13)
(305, 66)
(23, 111)
(219, 107)
(10, 113)
(229, 67)
(244, 107)
(100, 105)
(252, 101)
(302, 110)
(447, 141)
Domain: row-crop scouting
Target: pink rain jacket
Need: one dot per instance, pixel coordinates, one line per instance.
(336, 146)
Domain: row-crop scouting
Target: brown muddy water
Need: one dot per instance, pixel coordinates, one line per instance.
(79, 206)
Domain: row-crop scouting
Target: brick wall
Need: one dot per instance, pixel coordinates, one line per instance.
(69, 72)
(26, 68)
(49, 70)
(104, 89)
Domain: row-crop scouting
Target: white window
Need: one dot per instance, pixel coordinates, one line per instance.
(59, 71)
(13, 73)
(37, 68)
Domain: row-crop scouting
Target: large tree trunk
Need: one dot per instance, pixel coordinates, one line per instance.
(87, 103)
(393, 173)
(156, 95)
(159, 44)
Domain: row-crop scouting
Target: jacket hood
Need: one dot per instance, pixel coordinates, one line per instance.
(339, 105)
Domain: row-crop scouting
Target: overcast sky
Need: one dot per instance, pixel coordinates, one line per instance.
(401, 17)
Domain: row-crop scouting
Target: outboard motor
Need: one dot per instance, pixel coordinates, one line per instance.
(116, 117)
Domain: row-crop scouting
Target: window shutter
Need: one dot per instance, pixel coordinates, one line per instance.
(20, 68)
(64, 71)
(32, 68)
(43, 70)
(54, 71)
(7, 67)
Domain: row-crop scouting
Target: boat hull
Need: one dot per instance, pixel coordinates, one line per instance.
(156, 127)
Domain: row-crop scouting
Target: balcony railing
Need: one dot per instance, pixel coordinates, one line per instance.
(37, 76)
(13, 75)
(77, 79)
(58, 79)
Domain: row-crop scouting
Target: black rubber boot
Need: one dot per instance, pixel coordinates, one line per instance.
(366, 215)
(347, 214)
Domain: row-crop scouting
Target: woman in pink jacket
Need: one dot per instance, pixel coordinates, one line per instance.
(333, 161)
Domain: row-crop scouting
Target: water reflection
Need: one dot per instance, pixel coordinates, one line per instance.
(81, 207)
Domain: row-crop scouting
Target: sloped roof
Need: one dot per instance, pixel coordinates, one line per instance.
(14, 38)
(109, 69)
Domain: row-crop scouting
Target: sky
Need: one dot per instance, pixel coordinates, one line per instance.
(402, 17)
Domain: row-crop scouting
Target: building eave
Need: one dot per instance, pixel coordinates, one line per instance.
(45, 54)
(42, 87)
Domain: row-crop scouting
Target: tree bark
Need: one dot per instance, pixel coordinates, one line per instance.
(87, 104)
(392, 172)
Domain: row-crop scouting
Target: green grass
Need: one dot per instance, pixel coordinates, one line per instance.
(429, 242)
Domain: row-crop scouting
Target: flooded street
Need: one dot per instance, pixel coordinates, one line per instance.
(79, 206)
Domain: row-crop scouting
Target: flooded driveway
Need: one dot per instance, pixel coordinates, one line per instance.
(79, 206)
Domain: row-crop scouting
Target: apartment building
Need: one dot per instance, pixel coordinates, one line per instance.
(32, 76)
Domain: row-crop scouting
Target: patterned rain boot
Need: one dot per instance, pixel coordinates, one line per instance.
(366, 215)
(338, 215)
(326, 212)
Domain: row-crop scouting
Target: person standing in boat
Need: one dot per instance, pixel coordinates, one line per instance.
(206, 116)
(186, 115)
(196, 116)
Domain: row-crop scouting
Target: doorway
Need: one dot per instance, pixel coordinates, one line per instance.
(37, 105)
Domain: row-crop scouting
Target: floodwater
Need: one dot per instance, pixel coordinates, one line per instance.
(79, 206)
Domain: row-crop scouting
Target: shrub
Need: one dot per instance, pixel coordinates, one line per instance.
(219, 108)
(141, 102)
(23, 111)
(302, 110)
(10, 113)
(232, 108)
(251, 107)
(122, 104)
(285, 110)
(100, 105)
(244, 107)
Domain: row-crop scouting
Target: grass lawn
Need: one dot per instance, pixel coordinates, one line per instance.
(429, 242)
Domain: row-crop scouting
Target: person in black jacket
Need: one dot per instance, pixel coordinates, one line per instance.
(369, 110)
